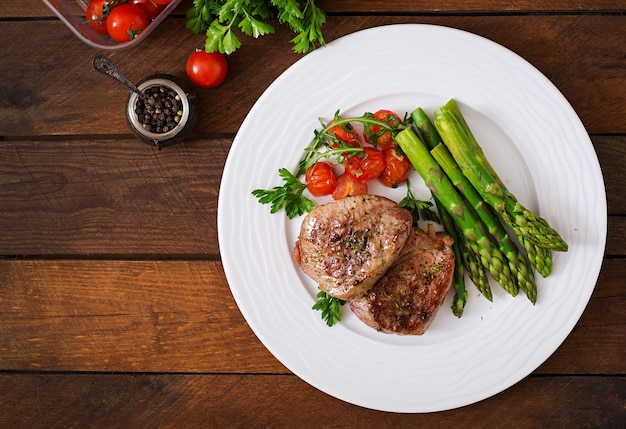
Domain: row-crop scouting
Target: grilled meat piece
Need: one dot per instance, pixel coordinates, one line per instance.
(406, 299)
(348, 244)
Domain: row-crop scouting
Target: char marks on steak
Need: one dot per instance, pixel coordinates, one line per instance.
(406, 299)
(348, 244)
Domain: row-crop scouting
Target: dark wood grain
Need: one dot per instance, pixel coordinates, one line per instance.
(245, 401)
(611, 152)
(451, 6)
(110, 197)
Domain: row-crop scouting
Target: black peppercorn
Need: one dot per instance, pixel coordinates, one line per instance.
(162, 112)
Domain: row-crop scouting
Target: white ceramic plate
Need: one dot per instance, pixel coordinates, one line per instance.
(533, 138)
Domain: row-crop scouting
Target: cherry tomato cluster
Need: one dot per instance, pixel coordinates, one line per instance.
(380, 159)
(122, 20)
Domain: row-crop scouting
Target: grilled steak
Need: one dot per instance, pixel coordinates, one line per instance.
(406, 299)
(348, 244)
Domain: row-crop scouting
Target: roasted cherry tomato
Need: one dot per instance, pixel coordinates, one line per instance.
(96, 15)
(375, 134)
(347, 185)
(207, 69)
(372, 165)
(366, 166)
(346, 133)
(151, 7)
(352, 165)
(320, 179)
(397, 168)
(126, 22)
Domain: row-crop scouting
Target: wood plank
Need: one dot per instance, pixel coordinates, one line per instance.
(124, 316)
(611, 152)
(24, 9)
(451, 6)
(123, 197)
(616, 240)
(244, 401)
(593, 80)
(32, 8)
(179, 316)
(110, 197)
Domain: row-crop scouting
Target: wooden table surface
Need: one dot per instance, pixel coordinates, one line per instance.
(114, 307)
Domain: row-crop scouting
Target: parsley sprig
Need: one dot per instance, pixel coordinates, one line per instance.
(419, 209)
(330, 307)
(289, 196)
(221, 19)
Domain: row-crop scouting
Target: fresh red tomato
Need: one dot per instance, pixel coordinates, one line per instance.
(207, 69)
(162, 2)
(375, 134)
(126, 21)
(396, 170)
(96, 15)
(151, 7)
(320, 179)
(347, 185)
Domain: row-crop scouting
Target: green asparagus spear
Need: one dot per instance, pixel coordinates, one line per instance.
(475, 269)
(539, 257)
(426, 128)
(460, 293)
(457, 136)
(469, 225)
(465, 258)
(516, 260)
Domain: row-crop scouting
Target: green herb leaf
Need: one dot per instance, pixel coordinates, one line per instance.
(428, 214)
(419, 209)
(342, 152)
(230, 43)
(289, 196)
(214, 37)
(199, 17)
(253, 27)
(289, 13)
(330, 308)
(313, 21)
(229, 10)
(218, 19)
